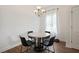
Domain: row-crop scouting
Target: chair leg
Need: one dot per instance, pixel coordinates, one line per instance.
(53, 48)
(28, 48)
(21, 49)
(50, 50)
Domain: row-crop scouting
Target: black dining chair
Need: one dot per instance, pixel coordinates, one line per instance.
(48, 43)
(26, 43)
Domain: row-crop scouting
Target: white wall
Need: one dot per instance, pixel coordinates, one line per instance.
(15, 20)
(65, 25)
(64, 22)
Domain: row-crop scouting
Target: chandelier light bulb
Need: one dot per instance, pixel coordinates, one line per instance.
(39, 11)
(35, 11)
(38, 7)
(43, 10)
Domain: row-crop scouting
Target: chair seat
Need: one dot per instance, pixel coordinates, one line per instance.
(46, 42)
(29, 42)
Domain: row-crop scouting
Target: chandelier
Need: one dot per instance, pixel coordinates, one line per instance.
(39, 11)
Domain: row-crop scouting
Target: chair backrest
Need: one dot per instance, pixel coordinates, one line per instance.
(30, 32)
(47, 31)
(23, 41)
(51, 41)
(48, 37)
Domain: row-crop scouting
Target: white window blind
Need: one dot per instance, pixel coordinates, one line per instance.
(51, 22)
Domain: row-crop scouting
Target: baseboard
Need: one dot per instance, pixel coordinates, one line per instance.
(9, 47)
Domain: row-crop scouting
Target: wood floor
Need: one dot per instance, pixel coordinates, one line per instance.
(59, 48)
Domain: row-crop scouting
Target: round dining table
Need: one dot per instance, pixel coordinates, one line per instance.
(39, 37)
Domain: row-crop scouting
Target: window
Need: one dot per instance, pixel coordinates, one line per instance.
(51, 22)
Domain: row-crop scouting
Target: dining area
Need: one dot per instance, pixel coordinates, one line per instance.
(36, 29)
(43, 37)
(38, 42)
